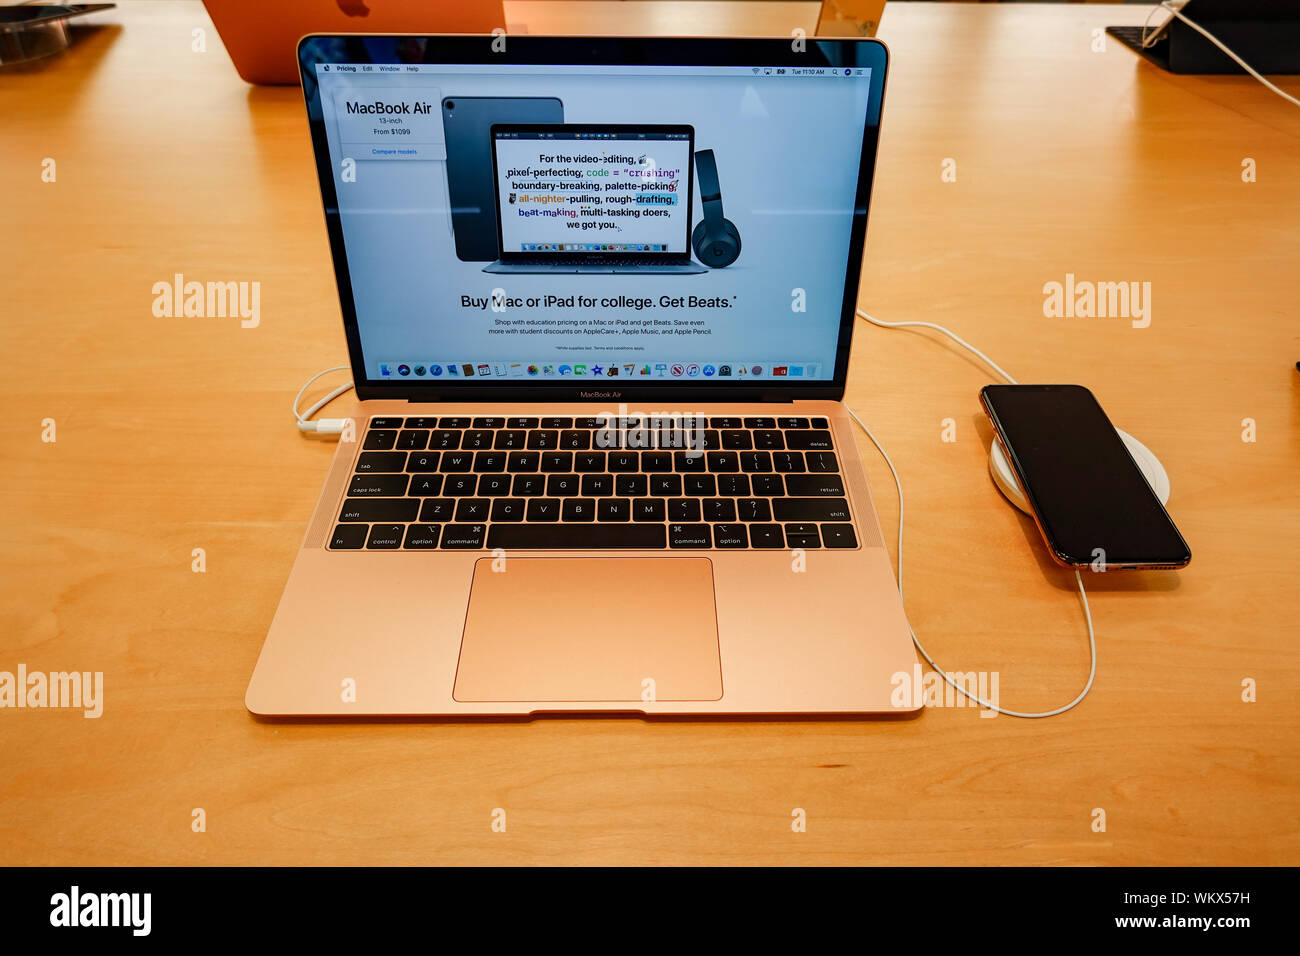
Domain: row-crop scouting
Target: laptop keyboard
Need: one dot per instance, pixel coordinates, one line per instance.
(482, 483)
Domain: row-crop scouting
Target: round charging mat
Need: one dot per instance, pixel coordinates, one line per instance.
(1149, 464)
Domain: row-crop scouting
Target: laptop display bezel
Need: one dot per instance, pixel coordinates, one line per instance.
(594, 51)
(596, 258)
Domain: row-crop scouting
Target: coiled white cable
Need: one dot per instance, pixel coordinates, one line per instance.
(1078, 577)
(326, 426)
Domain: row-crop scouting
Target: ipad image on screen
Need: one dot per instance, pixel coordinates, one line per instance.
(467, 122)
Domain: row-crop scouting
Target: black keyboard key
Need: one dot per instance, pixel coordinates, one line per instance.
(737, 441)
(379, 509)
(562, 486)
(648, 509)
(688, 461)
(413, 440)
(683, 509)
(810, 440)
(597, 486)
(814, 485)
(371, 462)
(839, 536)
(575, 440)
(689, 536)
(511, 439)
(464, 537)
(457, 461)
(528, 486)
(544, 509)
(613, 509)
(726, 423)
(478, 439)
(792, 422)
(493, 486)
(820, 423)
(524, 423)
(348, 537)
(735, 485)
(699, 486)
(810, 509)
(420, 537)
(422, 421)
(623, 461)
(718, 509)
(385, 423)
(422, 461)
(802, 536)
(557, 461)
(766, 536)
(607, 438)
(666, 486)
(754, 509)
(472, 509)
(385, 537)
(768, 485)
(587, 461)
(425, 486)
(557, 422)
(768, 439)
(723, 461)
(577, 537)
(787, 461)
(755, 461)
(508, 509)
(656, 461)
(437, 509)
(822, 461)
(486, 462)
(453, 422)
(589, 423)
(630, 486)
(760, 422)
(445, 439)
(460, 486)
(543, 440)
(379, 439)
(730, 536)
(488, 423)
(579, 509)
(378, 486)
(522, 461)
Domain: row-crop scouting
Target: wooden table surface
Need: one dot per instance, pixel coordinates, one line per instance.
(174, 434)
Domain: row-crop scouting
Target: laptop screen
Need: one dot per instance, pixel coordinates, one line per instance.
(580, 193)
(716, 208)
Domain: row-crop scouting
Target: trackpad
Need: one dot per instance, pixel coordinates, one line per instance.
(590, 629)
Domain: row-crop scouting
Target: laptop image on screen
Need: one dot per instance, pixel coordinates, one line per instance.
(589, 486)
(593, 199)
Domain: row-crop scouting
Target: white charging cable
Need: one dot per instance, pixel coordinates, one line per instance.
(325, 426)
(1083, 595)
(1176, 8)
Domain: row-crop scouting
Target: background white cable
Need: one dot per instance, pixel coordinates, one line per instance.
(326, 426)
(1176, 10)
(1083, 595)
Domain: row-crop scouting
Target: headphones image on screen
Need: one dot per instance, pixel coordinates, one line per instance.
(716, 240)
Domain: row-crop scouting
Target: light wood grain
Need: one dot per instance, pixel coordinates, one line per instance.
(175, 434)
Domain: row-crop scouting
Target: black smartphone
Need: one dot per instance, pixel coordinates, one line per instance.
(1089, 498)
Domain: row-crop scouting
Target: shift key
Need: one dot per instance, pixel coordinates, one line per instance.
(810, 509)
(384, 510)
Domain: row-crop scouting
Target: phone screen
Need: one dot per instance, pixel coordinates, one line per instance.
(1091, 501)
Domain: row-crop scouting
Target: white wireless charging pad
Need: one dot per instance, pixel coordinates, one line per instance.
(1149, 464)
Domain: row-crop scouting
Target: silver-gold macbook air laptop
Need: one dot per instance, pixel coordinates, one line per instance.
(582, 492)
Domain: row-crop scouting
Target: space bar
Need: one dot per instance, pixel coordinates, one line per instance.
(578, 537)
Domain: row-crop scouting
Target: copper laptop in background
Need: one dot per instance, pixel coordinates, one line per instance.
(262, 36)
(605, 488)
